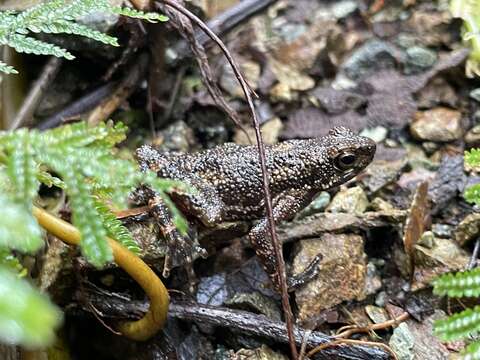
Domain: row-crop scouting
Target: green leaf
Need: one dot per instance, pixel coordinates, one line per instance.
(133, 13)
(457, 326)
(80, 134)
(7, 69)
(22, 168)
(472, 194)
(69, 27)
(18, 229)
(115, 228)
(469, 12)
(11, 262)
(472, 352)
(460, 284)
(86, 218)
(29, 45)
(27, 317)
(472, 157)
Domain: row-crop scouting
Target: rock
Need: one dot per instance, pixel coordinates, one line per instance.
(320, 223)
(228, 81)
(448, 183)
(317, 205)
(257, 302)
(371, 56)
(290, 80)
(475, 94)
(419, 59)
(335, 101)
(270, 133)
(176, 137)
(373, 282)
(376, 314)
(442, 230)
(415, 340)
(441, 256)
(212, 290)
(437, 125)
(468, 229)
(377, 134)
(402, 342)
(341, 277)
(380, 173)
(351, 200)
(379, 204)
(472, 137)
(262, 353)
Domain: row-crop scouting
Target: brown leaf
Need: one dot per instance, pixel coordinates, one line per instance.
(416, 222)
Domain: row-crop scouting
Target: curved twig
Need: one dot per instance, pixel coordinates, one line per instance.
(248, 92)
(154, 319)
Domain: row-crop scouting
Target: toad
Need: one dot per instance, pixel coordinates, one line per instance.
(228, 187)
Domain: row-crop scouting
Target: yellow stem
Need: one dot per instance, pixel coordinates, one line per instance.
(155, 318)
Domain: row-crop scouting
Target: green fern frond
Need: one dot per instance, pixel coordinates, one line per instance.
(58, 17)
(115, 228)
(27, 316)
(29, 45)
(460, 325)
(472, 351)
(22, 168)
(49, 180)
(137, 14)
(18, 229)
(81, 135)
(86, 218)
(68, 27)
(7, 69)
(10, 262)
(460, 284)
(86, 166)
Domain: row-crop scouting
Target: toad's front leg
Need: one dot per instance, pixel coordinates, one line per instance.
(285, 207)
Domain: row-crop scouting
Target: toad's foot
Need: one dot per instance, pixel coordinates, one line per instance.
(181, 249)
(307, 275)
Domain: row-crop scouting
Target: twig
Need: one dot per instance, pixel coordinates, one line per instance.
(238, 321)
(124, 89)
(25, 114)
(261, 150)
(156, 315)
(79, 107)
(474, 257)
(386, 324)
(184, 26)
(349, 341)
(223, 23)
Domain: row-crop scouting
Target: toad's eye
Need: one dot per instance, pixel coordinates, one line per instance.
(345, 161)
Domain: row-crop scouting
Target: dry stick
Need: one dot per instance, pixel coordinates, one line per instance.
(349, 341)
(386, 324)
(124, 89)
(25, 114)
(261, 150)
(156, 316)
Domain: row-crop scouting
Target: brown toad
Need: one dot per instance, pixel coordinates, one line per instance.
(228, 181)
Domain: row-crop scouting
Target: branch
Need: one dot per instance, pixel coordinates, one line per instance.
(154, 319)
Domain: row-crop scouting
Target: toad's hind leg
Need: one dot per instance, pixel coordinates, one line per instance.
(285, 207)
(181, 249)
